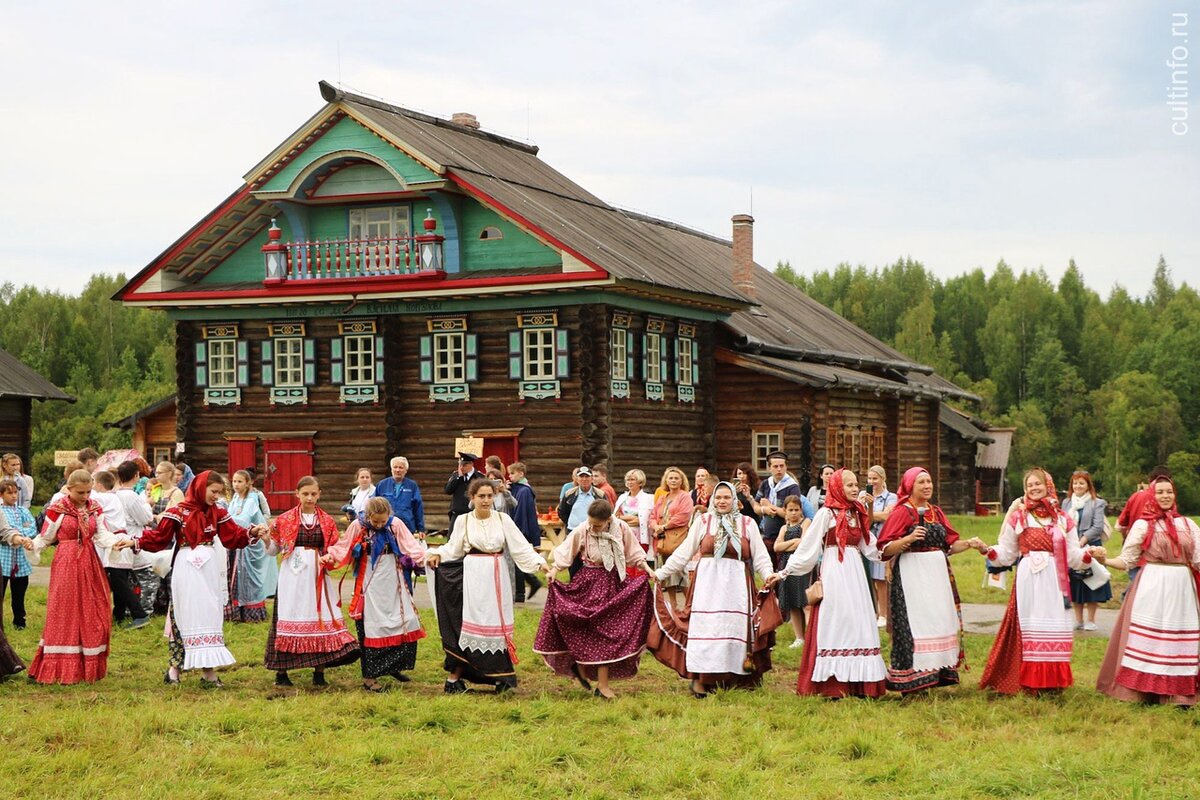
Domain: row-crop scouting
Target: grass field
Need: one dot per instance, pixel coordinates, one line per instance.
(131, 736)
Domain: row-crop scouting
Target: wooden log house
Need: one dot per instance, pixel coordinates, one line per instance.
(20, 385)
(385, 281)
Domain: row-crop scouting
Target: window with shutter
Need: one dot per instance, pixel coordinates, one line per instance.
(654, 358)
(222, 365)
(356, 361)
(449, 359)
(539, 356)
(620, 357)
(763, 443)
(292, 361)
(686, 351)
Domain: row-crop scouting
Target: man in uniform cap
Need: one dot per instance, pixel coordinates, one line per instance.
(456, 487)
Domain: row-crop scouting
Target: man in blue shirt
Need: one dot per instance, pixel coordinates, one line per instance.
(574, 506)
(404, 496)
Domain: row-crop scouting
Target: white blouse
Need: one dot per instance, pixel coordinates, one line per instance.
(1008, 548)
(812, 544)
(639, 504)
(496, 534)
(678, 562)
(1131, 551)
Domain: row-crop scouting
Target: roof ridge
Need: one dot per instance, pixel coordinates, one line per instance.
(675, 226)
(333, 94)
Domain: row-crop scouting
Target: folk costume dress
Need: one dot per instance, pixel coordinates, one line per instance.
(602, 616)
(250, 567)
(841, 651)
(195, 618)
(1154, 652)
(307, 628)
(10, 662)
(926, 614)
(74, 643)
(712, 638)
(473, 587)
(1033, 647)
(382, 608)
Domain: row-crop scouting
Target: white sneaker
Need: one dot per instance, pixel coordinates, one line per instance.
(1078, 626)
(881, 622)
(797, 644)
(1089, 626)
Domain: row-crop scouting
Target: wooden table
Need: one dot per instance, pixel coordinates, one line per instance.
(552, 534)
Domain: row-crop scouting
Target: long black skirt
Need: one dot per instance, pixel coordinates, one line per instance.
(380, 661)
(485, 668)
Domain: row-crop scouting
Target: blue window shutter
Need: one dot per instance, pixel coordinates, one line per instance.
(664, 352)
(645, 357)
(426, 359)
(310, 362)
(201, 365)
(242, 349)
(562, 354)
(516, 369)
(628, 356)
(695, 363)
(337, 372)
(379, 360)
(471, 345)
(268, 363)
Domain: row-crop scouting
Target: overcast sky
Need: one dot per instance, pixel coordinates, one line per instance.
(957, 133)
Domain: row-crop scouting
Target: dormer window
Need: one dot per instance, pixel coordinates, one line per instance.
(491, 232)
(385, 222)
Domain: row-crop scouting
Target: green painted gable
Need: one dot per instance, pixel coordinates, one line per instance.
(349, 135)
(245, 264)
(516, 249)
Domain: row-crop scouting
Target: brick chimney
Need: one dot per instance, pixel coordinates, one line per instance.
(743, 255)
(465, 119)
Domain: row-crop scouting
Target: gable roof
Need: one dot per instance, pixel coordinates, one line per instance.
(17, 379)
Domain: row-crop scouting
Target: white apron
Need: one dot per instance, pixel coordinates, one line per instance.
(198, 602)
(389, 617)
(932, 617)
(1047, 630)
(1164, 626)
(487, 620)
(847, 636)
(719, 625)
(300, 629)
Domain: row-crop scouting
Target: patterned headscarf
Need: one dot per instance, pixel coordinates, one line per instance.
(729, 526)
(844, 509)
(1152, 513)
(1044, 507)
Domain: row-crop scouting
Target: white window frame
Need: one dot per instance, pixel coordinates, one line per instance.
(654, 365)
(379, 222)
(619, 350)
(762, 443)
(539, 355)
(358, 359)
(222, 363)
(289, 349)
(449, 357)
(687, 375)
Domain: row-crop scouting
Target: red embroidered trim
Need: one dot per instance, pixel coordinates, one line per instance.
(204, 640)
(394, 641)
(858, 651)
(287, 627)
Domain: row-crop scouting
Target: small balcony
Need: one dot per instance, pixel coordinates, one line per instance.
(342, 259)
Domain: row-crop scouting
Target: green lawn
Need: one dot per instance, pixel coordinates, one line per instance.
(131, 736)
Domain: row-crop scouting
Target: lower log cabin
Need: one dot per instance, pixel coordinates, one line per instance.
(318, 330)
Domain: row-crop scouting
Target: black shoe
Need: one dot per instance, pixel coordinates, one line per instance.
(601, 695)
(454, 687)
(19, 626)
(578, 673)
(167, 679)
(697, 693)
(401, 677)
(503, 688)
(534, 587)
(319, 679)
(373, 687)
(282, 679)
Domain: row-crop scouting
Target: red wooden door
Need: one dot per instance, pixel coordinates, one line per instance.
(242, 455)
(503, 447)
(286, 461)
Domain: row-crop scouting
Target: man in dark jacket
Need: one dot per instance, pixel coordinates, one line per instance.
(524, 515)
(456, 487)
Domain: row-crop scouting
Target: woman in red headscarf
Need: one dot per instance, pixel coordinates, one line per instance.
(926, 621)
(1032, 650)
(1154, 652)
(841, 651)
(196, 617)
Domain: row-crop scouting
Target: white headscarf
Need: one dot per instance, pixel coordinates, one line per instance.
(729, 526)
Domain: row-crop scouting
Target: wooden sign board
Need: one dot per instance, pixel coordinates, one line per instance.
(468, 444)
(64, 457)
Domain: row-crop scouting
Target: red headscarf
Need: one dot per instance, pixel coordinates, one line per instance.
(1044, 507)
(1152, 513)
(907, 483)
(844, 509)
(198, 517)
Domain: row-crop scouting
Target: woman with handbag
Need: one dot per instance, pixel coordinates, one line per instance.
(841, 651)
(594, 628)
(669, 520)
(1153, 651)
(926, 619)
(1032, 649)
(723, 635)
(1087, 510)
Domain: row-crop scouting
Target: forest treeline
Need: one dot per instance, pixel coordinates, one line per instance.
(1107, 383)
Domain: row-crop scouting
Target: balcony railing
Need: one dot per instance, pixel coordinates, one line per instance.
(363, 258)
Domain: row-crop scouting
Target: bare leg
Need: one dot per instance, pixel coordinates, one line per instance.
(1079, 613)
(797, 619)
(602, 682)
(881, 598)
(1091, 611)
